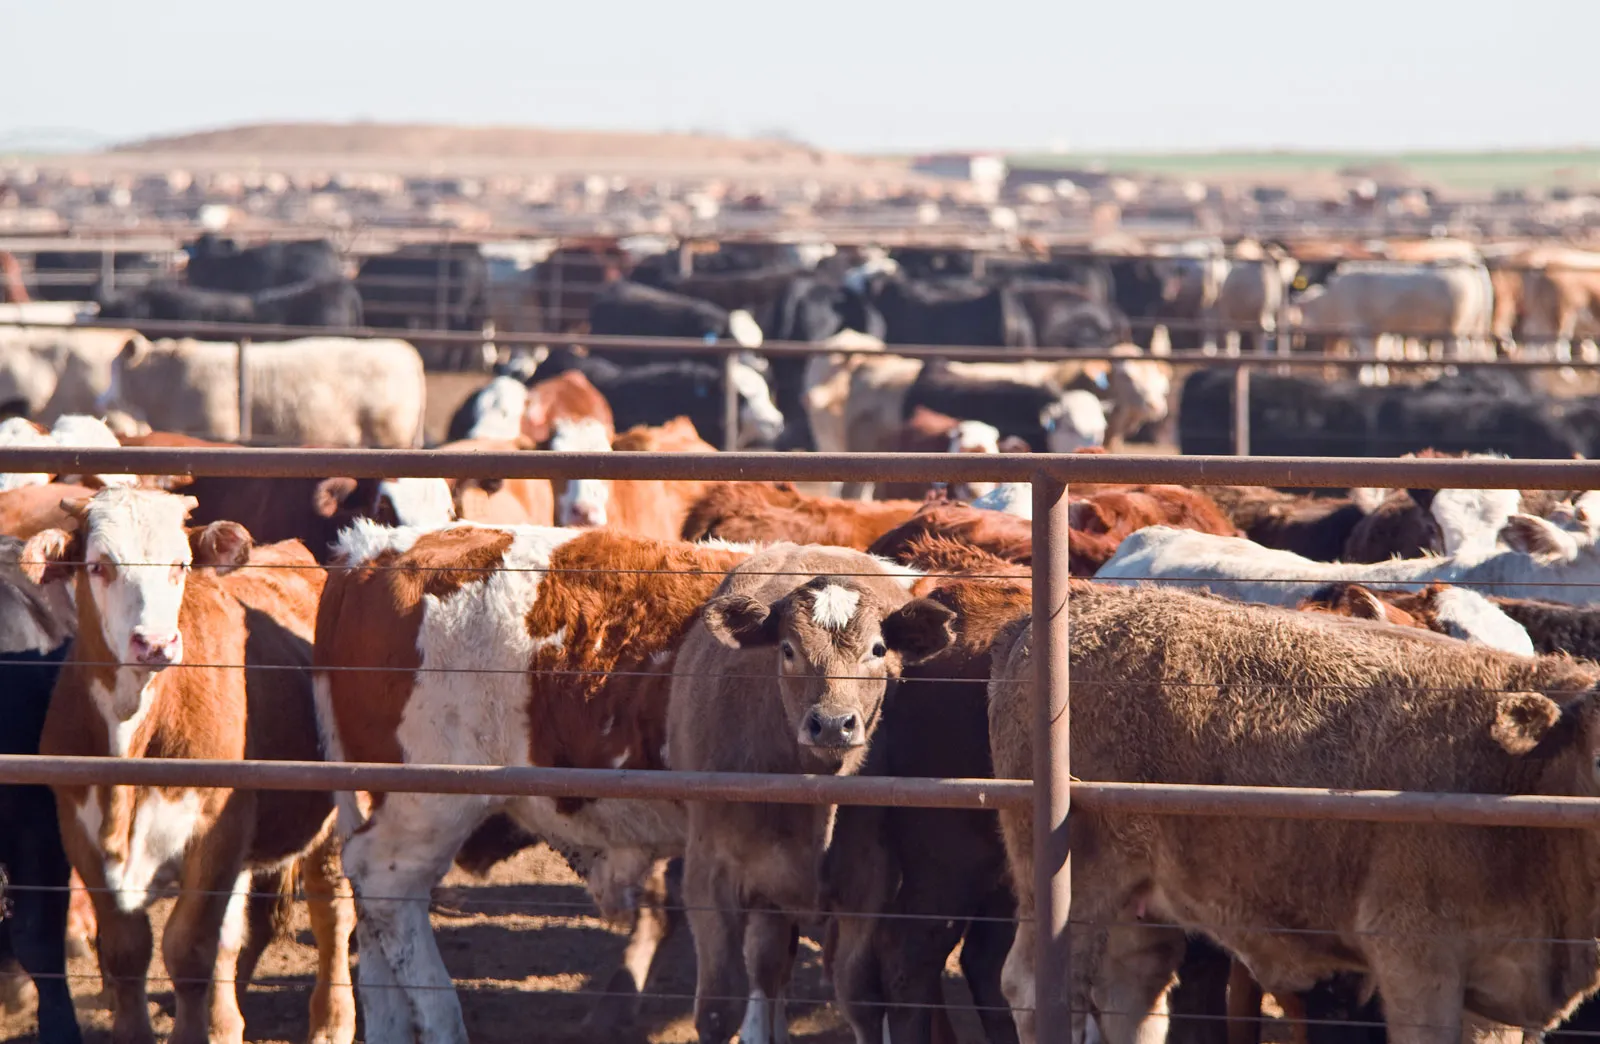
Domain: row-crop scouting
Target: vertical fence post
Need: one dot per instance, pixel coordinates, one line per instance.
(245, 432)
(730, 403)
(1052, 865)
(1241, 411)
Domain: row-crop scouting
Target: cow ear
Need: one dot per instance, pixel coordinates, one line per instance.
(918, 630)
(49, 555)
(1533, 535)
(1523, 720)
(1015, 444)
(223, 546)
(330, 495)
(1363, 604)
(76, 507)
(739, 621)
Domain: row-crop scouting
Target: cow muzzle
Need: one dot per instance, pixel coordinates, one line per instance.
(832, 731)
(148, 649)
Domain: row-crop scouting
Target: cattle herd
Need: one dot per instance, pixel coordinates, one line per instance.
(1386, 639)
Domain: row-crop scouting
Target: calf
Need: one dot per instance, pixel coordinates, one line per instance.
(36, 626)
(1446, 922)
(131, 691)
(569, 635)
(565, 397)
(758, 512)
(905, 886)
(785, 674)
(644, 507)
(928, 431)
(1440, 608)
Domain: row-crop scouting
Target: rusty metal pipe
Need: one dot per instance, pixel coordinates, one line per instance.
(1328, 472)
(1052, 773)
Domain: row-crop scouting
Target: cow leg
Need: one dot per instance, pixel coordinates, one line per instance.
(913, 974)
(1244, 1005)
(38, 874)
(712, 907)
(770, 941)
(123, 939)
(203, 936)
(332, 907)
(983, 956)
(1134, 978)
(1422, 996)
(393, 864)
(653, 923)
(851, 958)
(1018, 983)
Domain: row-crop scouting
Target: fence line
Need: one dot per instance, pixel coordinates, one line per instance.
(1052, 788)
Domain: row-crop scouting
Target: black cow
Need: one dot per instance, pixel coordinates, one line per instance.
(629, 309)
(34, 641)
(1026, 411)
(958, 312)
(811, 309)
(1477, 412)
(70, 275)
(657, 392)
(218, 263)
(415, 286)
(1067, 315)
(313, 305)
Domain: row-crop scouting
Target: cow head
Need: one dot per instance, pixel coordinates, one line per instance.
(760, 422)
(581, 502)
(131, 555)
(1564, 737)
(426, 503)
(838, 645)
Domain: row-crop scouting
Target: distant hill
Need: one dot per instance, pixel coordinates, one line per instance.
(436, 142)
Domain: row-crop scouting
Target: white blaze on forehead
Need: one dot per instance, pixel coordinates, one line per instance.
(422, 502)
(834, 606)
(755, 393)
(142, 533)
(499, 405)
(584, 435)
(970, 436)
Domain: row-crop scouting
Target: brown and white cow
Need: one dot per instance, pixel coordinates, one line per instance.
(166, 618)
(566, 638)
(644, 507)
(786, 674)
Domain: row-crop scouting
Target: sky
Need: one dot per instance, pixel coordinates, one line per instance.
(867, 75)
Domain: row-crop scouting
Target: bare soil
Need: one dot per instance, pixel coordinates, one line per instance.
(529, 957)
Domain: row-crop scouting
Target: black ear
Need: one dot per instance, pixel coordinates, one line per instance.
(918, 630)
(1423, 497)
(739, 621)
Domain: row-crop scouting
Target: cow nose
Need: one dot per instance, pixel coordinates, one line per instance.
(832, 730)
(155, 650)
(585, 515)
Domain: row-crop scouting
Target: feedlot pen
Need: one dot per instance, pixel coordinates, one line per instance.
(524, 946)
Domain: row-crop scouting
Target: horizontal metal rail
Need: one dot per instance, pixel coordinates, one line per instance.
(1380, 806)
(1072, 468)
(690, 346)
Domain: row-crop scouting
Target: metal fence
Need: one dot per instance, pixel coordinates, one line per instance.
(1052, 791)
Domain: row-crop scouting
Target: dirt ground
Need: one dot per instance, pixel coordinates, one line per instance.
(528, 956)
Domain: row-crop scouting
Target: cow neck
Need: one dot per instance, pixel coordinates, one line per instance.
(124, 694)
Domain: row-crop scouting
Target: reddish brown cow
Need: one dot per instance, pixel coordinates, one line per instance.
(27, 510)
(1101, 520)
(572, 635)
(497, 501)
(12, 289)
(131, 691)
(993, 534)
(569, 397)
(762, 513)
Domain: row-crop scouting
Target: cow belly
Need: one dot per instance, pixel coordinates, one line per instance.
(162, 828)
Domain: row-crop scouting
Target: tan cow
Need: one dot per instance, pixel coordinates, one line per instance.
(1445, 922)
(162, 614)
(786, 674)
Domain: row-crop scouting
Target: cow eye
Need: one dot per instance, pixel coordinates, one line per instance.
(879, 651)
(100, 569)
(788, 651)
